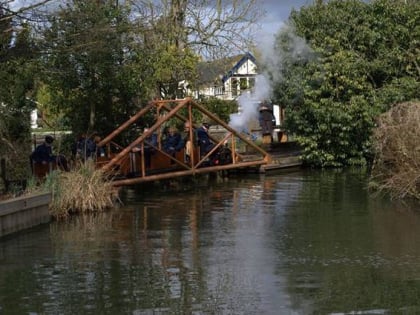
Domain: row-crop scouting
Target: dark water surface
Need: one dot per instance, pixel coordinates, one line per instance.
(306, 242)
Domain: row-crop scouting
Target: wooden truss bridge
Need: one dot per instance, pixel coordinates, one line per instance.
(128, 162)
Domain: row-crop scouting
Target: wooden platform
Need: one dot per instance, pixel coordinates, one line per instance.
(282, 155)
(282, 162)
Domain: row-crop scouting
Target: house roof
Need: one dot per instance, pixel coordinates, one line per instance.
(221, 69)
(245, 58)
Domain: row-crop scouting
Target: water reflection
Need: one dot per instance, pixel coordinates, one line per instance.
(307, 242)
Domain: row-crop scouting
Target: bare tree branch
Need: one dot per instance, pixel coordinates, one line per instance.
(213, 28)
(19, 13)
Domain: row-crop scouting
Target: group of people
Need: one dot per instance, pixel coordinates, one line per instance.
(86, 147)
(173, 141)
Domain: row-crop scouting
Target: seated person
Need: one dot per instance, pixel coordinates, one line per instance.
(204, 141)
(173, 142)
(43, 154)
(85, 147)
(149, 143)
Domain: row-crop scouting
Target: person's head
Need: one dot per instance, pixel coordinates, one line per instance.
(49, 140)
(206, 125)
(187, 126)
(172, 130)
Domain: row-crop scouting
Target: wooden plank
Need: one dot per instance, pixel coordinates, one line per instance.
(174, 174)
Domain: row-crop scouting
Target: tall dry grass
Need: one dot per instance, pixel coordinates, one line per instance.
(396, 141)
(83, 190)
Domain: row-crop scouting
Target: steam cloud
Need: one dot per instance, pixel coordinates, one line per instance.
(272, 61)
(248, 103)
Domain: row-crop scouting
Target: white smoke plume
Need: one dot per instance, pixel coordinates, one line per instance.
(272, 61)
(273, 55)
(248, 103)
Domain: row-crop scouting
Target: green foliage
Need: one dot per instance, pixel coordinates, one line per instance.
(363, 58)
(222, 108)
(172, 66)
(93, 73)
(17, 72)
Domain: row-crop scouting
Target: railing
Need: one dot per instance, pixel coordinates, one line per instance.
(177, 165)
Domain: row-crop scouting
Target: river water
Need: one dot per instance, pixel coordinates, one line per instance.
(303, 242)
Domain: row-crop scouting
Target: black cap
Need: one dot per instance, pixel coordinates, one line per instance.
(49, 139)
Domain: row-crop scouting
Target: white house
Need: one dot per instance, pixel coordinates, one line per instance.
(240, 78)
(226, 78)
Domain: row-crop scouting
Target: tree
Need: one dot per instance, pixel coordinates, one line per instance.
(179, 32)
(18, 68)
(17, 71)
(222, 108)
(361, 53)
(95, 75)
(17, 55)
(104, 59)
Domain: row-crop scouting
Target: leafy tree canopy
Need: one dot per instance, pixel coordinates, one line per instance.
(103, 60)
(363, 58)
(17, 69)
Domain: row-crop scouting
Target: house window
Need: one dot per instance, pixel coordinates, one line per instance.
(243, 84)
(234, 86)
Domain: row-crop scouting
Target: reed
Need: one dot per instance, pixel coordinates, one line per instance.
(396, 141)
(83, 190)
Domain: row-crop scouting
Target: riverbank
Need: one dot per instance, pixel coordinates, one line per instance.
(18, 214)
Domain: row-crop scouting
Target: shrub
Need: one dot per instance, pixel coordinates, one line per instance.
(83, 190)
(396, 141)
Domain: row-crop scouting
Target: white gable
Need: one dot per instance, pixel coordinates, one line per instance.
(248, 67)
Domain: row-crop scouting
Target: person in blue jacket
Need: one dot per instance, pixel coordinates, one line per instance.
(43, 154)
(149, 147)
(173, 142)
(203, 138)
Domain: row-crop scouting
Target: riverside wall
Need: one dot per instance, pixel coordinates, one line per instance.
(24, 212)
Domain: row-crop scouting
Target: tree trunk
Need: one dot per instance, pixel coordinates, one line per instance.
(177, 18)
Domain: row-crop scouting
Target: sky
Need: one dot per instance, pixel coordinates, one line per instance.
(277, 12)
